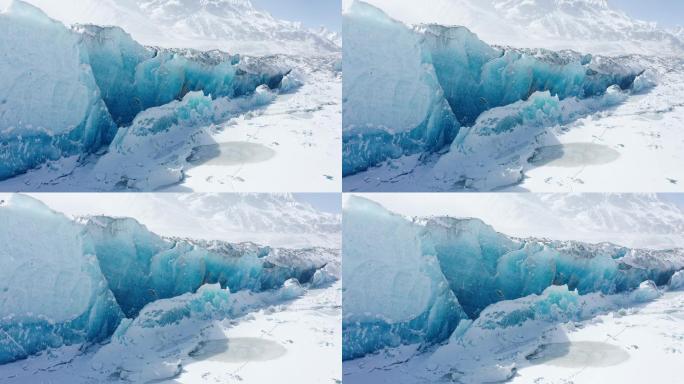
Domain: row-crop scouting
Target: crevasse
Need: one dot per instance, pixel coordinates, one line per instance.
(427, 276)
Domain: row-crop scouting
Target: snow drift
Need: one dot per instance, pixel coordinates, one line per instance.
(84, 279)
(454, 269)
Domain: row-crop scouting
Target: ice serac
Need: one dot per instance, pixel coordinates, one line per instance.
(392, 100)
(394, 294)
(395, 287)
(153, 151)
(412, 90)
(484, 267)
(142, 267)
(52, 292)
(50, 104)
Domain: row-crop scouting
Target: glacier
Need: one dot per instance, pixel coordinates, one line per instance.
(434, 89)
(95, 277)
(90, 83)
(452, 271)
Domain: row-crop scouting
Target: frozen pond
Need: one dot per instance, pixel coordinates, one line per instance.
(574, 155)
(231, 153)
(238, 350)
(579, 354)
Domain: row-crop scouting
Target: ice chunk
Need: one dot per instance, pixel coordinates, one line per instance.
(168, 328)
(331, 272)
(493, 152)
(50, 105)
(52, 292)
(468, 252)
(392, 100)
(153, 152)
(525, 321)
(647, 291)
(394, 294)
(677, 281)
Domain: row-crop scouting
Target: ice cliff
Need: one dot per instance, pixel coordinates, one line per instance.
(52, 290)
(64, 92)
(424, 277)
(433, 88)
(83, 279)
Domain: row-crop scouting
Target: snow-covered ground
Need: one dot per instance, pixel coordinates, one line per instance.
(625, 140)
(271, 133)
(295, 140)
(305, 330)
(275, 343)
(633, 345)
(643, 134)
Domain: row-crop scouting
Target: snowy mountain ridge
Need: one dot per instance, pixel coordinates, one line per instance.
(235, 26)
(590, 26)
(279, 220)
(630, 220)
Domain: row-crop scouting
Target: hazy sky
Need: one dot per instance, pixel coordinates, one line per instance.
(326, 202)
(312, 13)
(669, 13)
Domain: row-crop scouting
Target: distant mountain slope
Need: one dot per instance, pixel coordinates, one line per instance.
(633, 220)
(593, 26)
(273, 219)
(235, 26)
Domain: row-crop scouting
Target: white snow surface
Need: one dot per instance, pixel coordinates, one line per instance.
(632, 220)
(592, 26)
(614, 346)
(235, 26)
